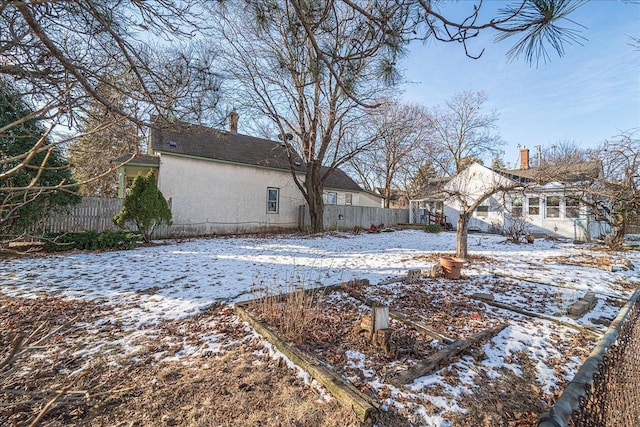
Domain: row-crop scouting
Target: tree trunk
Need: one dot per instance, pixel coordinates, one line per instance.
(387, 196)
(314, 196)
(462, 235)
(618, 236)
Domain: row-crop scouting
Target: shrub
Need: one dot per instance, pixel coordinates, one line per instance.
(517, 229)
(90, 240)
(145, 206)
(433, 228)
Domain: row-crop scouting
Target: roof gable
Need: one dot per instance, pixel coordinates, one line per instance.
(476, 178)
(190, 140)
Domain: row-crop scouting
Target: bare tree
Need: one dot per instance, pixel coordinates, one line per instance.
(61, 52)
(563, 152)
(276, 72)
(470, 189)
(424, 174)
(59, 55)
(462, 133)
(614, 196)
(105, 137)
(396, 131)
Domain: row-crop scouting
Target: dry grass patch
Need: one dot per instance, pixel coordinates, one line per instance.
(238, 385)
(240, 388)
(292, 313)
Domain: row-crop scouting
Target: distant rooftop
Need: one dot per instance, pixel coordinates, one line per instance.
(566, 173)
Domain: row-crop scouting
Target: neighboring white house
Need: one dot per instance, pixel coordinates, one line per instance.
(548, 204)
(225, 182)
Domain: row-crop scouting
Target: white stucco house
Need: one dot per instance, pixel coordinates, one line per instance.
(546, 200)
(225, 182)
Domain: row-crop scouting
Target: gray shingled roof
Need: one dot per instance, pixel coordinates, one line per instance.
(137, 158)
(208, 143)
(338, 179)
(573, 172)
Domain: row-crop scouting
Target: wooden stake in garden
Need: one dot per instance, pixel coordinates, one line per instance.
(376, 327)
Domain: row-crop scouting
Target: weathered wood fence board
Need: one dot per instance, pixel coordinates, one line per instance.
(92, 214)
(445, 355)
(339, 217)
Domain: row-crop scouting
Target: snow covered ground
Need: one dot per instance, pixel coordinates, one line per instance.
(146, 286)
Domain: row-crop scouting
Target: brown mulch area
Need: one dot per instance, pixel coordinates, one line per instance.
(439, 305)
(471, 259)
(511, 399)
(335, 331)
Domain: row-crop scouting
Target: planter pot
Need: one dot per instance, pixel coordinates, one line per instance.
(451, 266)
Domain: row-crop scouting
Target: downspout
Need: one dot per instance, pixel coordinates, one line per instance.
(121, 182)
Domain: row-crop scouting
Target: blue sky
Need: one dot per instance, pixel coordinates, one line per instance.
(590, 94)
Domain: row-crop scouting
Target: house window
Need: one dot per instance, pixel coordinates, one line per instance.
(534, 206)
(572, 205)
(482, 211)
(273, 195)
(516, 207)
(553, 207)
(332, 198)
(348, 199)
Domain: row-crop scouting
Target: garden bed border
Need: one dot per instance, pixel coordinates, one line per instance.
(339, 387)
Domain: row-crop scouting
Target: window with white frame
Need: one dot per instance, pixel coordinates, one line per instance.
(273, 196)
(348, 199)
(553, 207)
(572, 207)
(332, 198)
(534, 206)
(516, 206)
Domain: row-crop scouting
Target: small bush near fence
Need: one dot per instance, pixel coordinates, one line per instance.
(90, 240)
(433, 228)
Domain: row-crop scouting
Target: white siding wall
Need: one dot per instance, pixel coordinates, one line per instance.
(472, 182)
(215, 197)
(227, 197)
(367, 199)
(579, 228)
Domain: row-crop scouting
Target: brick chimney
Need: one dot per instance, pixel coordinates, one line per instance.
(233, 121)
(524, 158)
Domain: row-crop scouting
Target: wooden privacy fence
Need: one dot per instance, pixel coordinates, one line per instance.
(91, 214)
(339, 217)
(96, 214)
